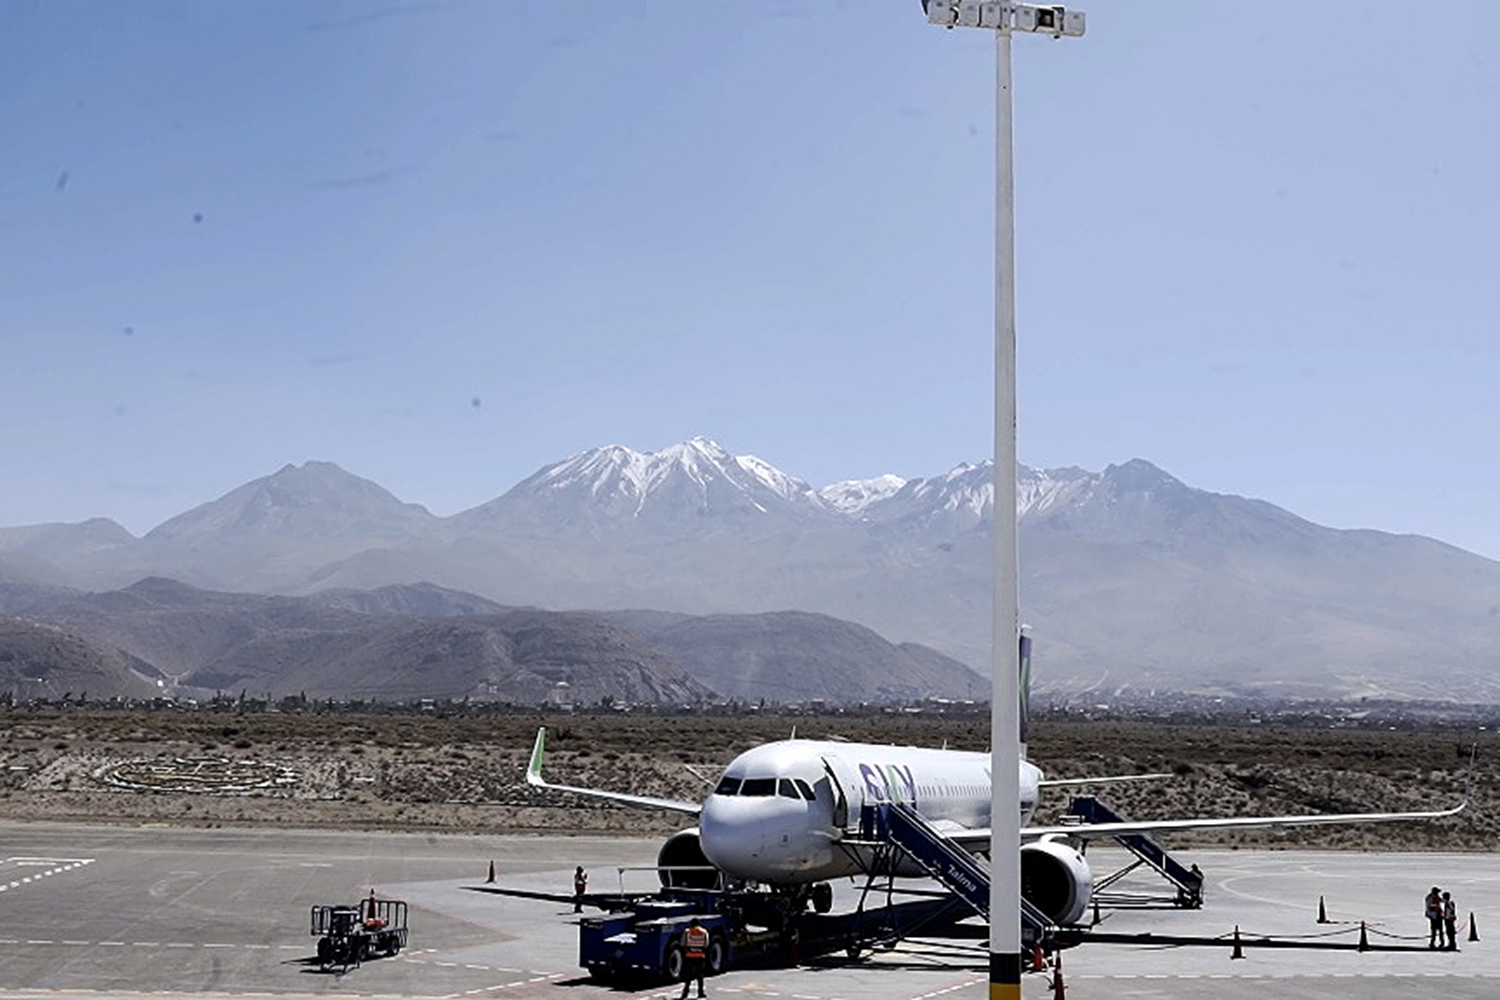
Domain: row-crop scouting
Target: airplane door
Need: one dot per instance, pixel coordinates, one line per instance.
(840, 801)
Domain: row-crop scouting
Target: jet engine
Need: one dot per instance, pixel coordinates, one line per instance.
(1056, 880)
(683, 850)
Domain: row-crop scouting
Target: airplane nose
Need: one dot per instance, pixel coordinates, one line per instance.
(733, 835)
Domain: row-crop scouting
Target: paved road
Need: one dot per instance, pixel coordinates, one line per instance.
(121, 912)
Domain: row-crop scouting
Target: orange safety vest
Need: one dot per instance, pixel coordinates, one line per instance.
(695, 942)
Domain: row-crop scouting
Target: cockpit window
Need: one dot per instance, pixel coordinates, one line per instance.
(758, 786)
(787, 790)
(727, 786)
(806, 790)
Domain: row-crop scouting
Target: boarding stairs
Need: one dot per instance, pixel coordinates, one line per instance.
(955, 868)
(1186, 880)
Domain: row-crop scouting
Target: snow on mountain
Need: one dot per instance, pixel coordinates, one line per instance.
(615, 486)
(852, 496)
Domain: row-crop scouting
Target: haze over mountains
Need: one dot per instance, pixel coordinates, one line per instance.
(1130, 579)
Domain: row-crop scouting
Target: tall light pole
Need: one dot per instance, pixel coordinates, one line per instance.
(1005, 825)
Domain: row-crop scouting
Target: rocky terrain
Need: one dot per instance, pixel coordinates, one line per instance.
(466, 775)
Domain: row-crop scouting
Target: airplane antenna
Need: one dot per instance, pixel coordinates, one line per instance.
(794, 731)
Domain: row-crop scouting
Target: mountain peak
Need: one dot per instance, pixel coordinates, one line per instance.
(315, 499)
(676, 487)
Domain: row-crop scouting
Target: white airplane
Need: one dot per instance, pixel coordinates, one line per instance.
(786, 814)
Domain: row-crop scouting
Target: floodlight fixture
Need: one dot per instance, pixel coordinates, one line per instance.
(1039, 19)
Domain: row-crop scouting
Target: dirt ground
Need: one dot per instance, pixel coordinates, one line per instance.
(466, 775)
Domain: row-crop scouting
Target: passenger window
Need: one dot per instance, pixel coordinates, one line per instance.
(806, 790)
(727, 786)
(758, 786)
(786, 789)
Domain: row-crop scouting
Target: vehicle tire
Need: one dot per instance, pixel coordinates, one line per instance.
(822, 897)
(325, 951)
(671, 964)
(718, 955)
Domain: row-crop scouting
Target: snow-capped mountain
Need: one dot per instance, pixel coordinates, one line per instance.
(852, 496)
(1128, 576)
(690, 486)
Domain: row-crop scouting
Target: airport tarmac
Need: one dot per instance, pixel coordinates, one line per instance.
(128, 911)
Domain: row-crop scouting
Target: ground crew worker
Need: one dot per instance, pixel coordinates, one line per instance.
(1450, 921)
(580, 886)
(1434, 909)
(694, 956)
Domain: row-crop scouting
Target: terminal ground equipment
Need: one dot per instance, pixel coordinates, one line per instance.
(347, 935)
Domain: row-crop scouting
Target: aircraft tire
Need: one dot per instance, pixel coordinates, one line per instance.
(671, 963)
(822, 897)
(718, 955)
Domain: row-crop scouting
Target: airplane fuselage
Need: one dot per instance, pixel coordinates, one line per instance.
(787, 812)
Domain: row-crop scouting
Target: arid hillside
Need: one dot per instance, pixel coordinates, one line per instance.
(466, 775)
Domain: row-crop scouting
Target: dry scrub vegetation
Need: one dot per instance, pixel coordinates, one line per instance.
(467, 775)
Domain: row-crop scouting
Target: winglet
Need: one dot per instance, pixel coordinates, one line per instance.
(534, 769)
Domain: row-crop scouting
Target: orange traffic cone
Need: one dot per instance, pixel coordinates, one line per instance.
(1059, 991)
(1322, 913)
(1238, 951)
(1364, 941)
(1038, 958)
(1473, 931)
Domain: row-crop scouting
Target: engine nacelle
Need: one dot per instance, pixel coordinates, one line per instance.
(683, 850)
(1056, 880)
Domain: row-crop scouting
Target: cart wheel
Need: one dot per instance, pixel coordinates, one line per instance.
(325, 951)
(672, 964)
(718, 955)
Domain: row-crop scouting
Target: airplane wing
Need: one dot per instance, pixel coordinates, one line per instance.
(1074, 782)
(1094, 831)
(534, 779)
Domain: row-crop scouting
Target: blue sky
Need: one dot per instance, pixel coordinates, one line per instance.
(444, 244)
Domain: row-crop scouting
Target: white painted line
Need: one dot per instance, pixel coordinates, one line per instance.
(108, 944)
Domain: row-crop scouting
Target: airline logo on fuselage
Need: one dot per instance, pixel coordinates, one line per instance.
(891, 783)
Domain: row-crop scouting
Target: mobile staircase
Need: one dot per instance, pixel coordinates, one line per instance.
(1186, 880)
(959, 871)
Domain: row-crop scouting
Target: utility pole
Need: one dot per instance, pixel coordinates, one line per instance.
(1003, 18)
